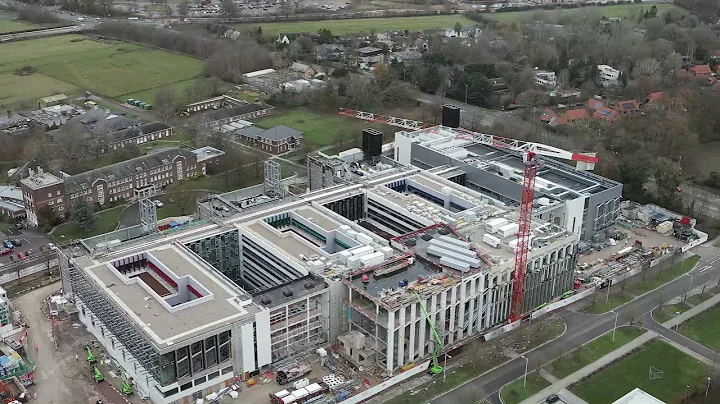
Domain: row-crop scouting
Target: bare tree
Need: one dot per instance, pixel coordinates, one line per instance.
(165, 103)
(183, 9)
(623, 285)
(646, 67)
(183, 197)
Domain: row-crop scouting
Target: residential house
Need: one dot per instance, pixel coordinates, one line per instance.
(223, 101)
(465, 32)
(102, 122)
(224, 116)
(701, 70)
(301, 71)
(282, 39)
(715, 55)
(607, 75)
(499, 85)
(331, 52)
(562, 94)
(545, 78)
(573, 115)
(369, 56)
(278, 139)
(420, 45)
(593, 104)
(408, 56)
(627, 107)
(607, 114)
(232, 34)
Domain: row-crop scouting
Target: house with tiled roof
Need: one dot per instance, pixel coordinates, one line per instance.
(627, 107)
(594, 104)
(701, 70)
(579, 114)
(715, 55)
(607, 114)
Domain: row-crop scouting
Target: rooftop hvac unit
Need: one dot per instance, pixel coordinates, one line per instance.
(493, 225)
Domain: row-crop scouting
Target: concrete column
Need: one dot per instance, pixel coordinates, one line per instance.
(423, 324)
(453, 310)
(442, 318)
(307, 319)
(285, 332)
(390, 342)
(413, 322)
(377, 315)
(401, 338)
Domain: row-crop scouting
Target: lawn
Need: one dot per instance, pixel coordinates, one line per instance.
(16, 89)
(122, 69)
(322, 128)
(107, 221)
(170, 210)
(617, 380)
(592, 351)
(218, 184)
(45, 49)
(148, 95)
(699, 298)
(615, 301)
(514, 392)
(7, 24)
(108, 69)
(653, 281)
(704, 328)
(341, 27)
(554, 16)
(669, 311)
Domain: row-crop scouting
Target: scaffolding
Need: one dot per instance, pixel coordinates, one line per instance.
(272, 179)
(148, 216)
(117, 324)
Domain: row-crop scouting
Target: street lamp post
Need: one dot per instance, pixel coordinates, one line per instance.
(445, 366)
(707, 389)
(526, 367)
(714, 359)
(687, 386)
(615, 326)
(607, 296)
(466, 91)
(443, 97)
(689, 286)
(403, 74)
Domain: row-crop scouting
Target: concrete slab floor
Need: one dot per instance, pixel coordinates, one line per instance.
(649, 238)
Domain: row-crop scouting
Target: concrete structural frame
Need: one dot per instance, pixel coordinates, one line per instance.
(582, 202)
(342, 263)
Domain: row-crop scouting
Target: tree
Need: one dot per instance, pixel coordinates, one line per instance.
(48, 255)
(165, 103)
(183, 9)
(218, 140)
(192, 134)
(667, 179)
(646, 67)
(230, 8)
(183, 197)
(478, 88)
(47, 218)
(326, 35)
(82, 215)
(457, 28)
(623, 285)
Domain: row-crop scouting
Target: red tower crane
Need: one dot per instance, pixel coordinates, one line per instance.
(531, 153)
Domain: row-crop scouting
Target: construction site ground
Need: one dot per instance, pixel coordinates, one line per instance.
(59, 377)
(649, 238)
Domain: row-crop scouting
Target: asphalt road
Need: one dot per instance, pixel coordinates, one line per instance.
(582, 328)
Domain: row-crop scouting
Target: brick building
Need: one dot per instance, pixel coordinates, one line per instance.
(128, 180)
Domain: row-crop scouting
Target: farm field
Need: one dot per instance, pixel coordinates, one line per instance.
(679, 370)
(621, 11)
(16, 89)
(340, 27)
(107, 69)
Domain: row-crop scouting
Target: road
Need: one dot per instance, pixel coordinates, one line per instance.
(582, 328)
(706, 202)
(470, 114)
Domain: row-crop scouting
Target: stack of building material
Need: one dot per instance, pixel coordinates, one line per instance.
(453, 253)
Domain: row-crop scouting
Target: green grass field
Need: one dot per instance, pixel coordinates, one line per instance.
(627, 11)
(594, 350)
(669, 311)
(149, 94)
(107, 221)
(8, 24)
(323, 128)
(514, 392)
(31, 87)
(108, 69)
(704, 328)
(614, 382)
(340, 27)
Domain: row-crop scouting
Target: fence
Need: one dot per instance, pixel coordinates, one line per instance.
(377, 389)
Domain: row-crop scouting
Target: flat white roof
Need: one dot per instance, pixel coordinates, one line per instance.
(638, 396)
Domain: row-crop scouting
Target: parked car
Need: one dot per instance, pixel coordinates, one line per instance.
(16, 242)
(29, 253)
(21, 256)
(52, 246)
(552, 398)
(158, 203)
(8, 244)
(5, 251)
